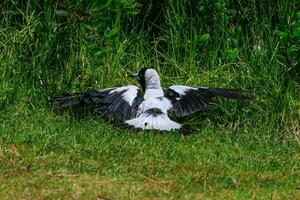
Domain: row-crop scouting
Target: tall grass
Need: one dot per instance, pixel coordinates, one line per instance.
(50, 47)
(239, 149)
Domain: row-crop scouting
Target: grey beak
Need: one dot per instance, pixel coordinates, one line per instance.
(135, 76)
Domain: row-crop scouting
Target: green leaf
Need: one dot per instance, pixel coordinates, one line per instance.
(218, 6)
(97, 5)
(298, 14)
(119, 2)
(292, 50)
(133, 11)
(238, 30)
(233, 53)
(296, 32)
(84, 28)
(204, 37)
(200, 8)
(283, 35)
(113, 33)
(97, 52)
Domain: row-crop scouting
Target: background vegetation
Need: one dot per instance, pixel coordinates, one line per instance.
(240, 150)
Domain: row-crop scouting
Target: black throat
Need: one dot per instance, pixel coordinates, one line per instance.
(142, 80)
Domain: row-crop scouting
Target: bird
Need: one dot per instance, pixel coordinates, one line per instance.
(150, 107)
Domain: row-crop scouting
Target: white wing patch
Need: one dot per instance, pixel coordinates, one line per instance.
(182, 89)
(160, 122)
(129, 95)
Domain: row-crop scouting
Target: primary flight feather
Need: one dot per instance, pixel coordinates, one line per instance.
(150, 107)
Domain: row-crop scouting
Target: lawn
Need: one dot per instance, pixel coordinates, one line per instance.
(49, 156)
(238, 150)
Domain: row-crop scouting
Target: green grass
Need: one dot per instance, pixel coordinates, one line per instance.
(240, 150)
(49, 156)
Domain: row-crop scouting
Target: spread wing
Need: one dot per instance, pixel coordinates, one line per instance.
(118, 103)
(187, 100)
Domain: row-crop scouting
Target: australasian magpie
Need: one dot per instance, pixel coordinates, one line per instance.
(150, 107)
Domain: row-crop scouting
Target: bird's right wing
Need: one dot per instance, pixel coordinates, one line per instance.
(118, 103)
(187, 100)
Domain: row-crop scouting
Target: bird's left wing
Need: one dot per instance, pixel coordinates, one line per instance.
(187, 100)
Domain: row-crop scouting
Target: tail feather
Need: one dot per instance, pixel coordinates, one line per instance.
(160, 122)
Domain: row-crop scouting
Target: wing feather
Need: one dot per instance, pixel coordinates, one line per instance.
(118, 103)
(187, 100)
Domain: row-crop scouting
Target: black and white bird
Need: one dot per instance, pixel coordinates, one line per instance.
(150, 107)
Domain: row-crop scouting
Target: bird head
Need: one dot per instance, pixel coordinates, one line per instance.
(147, 77)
